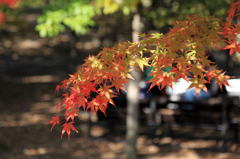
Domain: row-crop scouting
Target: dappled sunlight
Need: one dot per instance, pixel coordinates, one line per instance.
(29, 44)
(24, 120)
(35, 152)
(7, 43)
(97, 131)
(166, 140)
(33, 79)
(88, 45)
(199, 144)
(182, 154)
(148, 150)
(30, 18)
(61, 39)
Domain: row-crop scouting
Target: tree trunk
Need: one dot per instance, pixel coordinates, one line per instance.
(46, 2)
(133, 97)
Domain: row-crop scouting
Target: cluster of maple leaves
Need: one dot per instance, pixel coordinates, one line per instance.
(181, 51)
(231, 30)
(9, 3)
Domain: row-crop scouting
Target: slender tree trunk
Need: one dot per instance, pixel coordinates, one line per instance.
(47, 2)
(73, 51)
(133, 97)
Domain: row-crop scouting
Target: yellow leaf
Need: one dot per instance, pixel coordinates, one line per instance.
(130, 76)
(142, 62)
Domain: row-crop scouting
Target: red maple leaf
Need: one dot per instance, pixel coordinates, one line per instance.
(161, 79)
(55, 120)
(71, 114)
(58, 88)
(67, 128)
(87, 88)
(2, 17)
(98, 103)
(119, 84)
(81, 102)
(233, 11)
(210, 74)
(233, 47)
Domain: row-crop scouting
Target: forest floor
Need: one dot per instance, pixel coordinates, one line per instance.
(25, 110)
(31, 67)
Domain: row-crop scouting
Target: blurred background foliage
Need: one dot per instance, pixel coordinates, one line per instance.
(78, 15)
(75, 14)
(166, 11)
(108, 20)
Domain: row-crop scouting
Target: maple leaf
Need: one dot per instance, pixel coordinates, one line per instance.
(142, 62)
(129, 76)
(67, 128)
(98, 103)
(69, 101)
(163, 60)
(55, 120)
(221, 79)
(119, 84)
(197, 70)
(81, 102)
(232, 11)
(210, 75)
(106, 90)
(57, 88)
(87, 88)
(76, 98)
(94, 62)
(71, 114)
(181, 73)
(161, 79)
(118, 66)
(198, 85)
(108, 93)
(233, 47)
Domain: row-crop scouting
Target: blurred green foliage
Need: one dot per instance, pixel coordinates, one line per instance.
(59, 14)
(165, 12)
(78, 14)
(32, 4)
